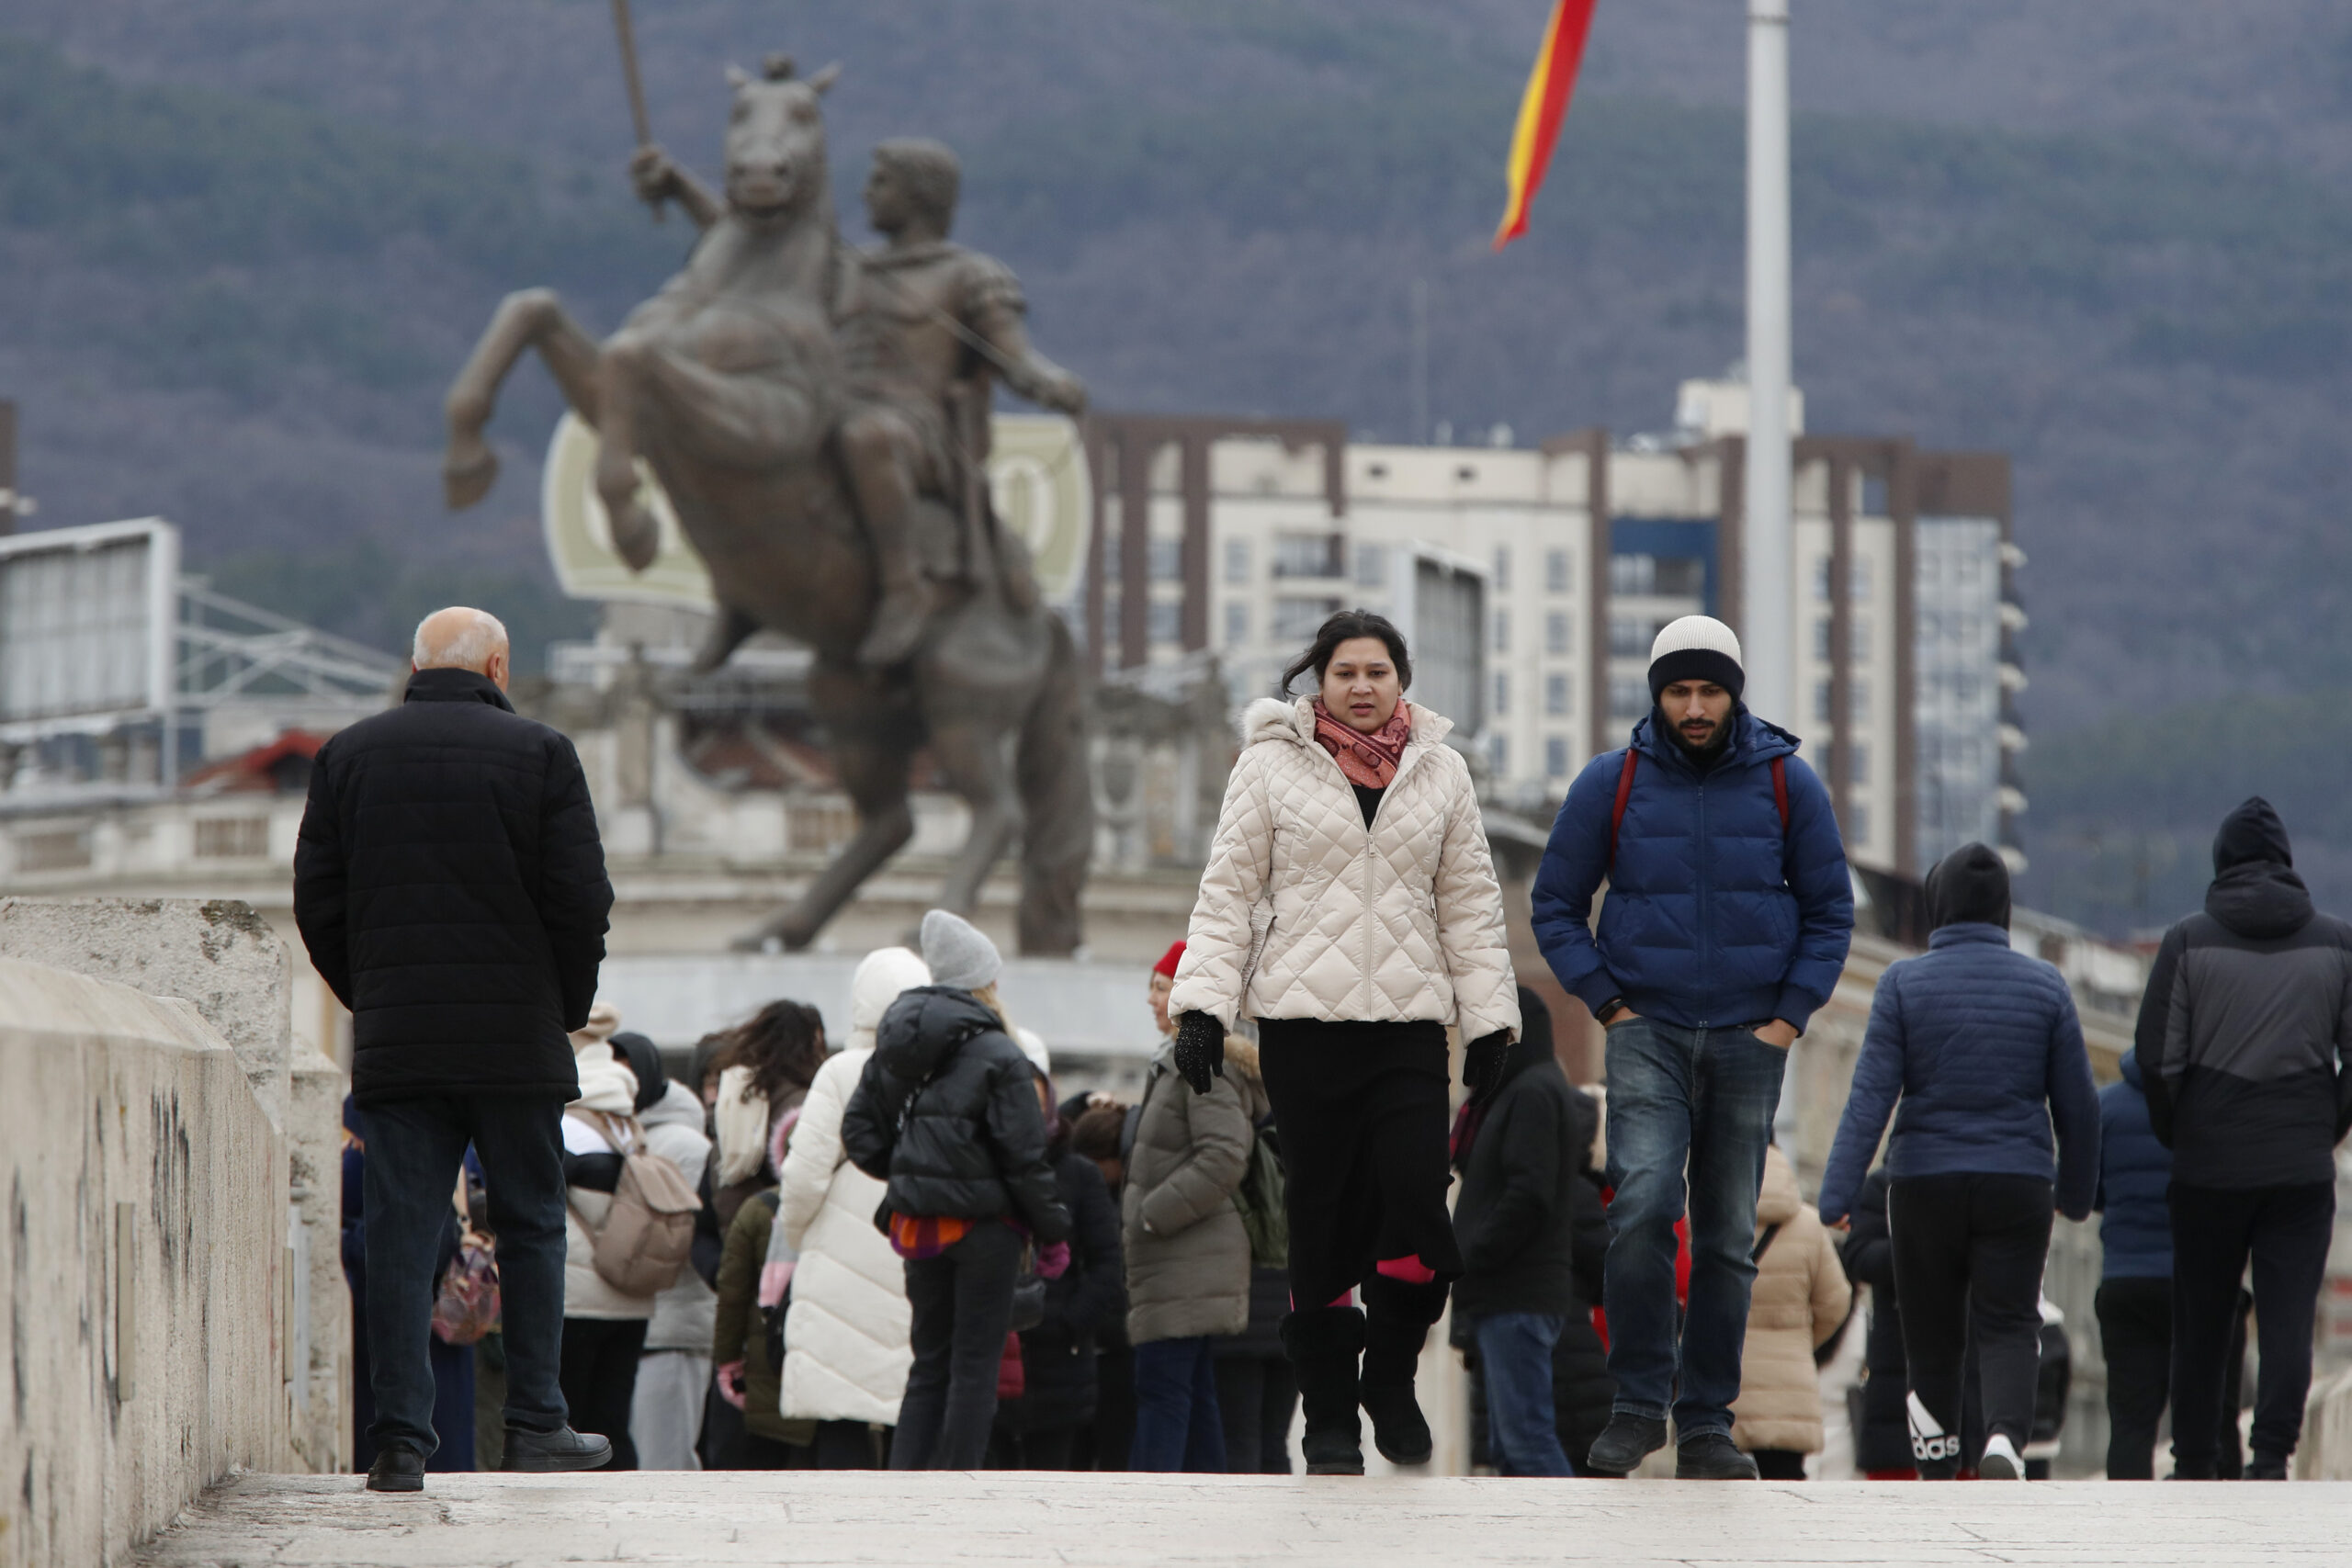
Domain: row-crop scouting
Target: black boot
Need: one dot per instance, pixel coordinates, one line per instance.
(549, 1453)
(1628, 1441)
(1397, 1325)
(398, 1467)
(1323, 1344)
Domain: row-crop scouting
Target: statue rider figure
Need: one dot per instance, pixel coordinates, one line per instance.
(926, 327)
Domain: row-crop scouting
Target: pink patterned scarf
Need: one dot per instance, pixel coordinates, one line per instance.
(1368, 759)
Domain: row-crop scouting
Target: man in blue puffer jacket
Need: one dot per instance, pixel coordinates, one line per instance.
(2134, 1301)
(1725, 927)
(1981, 1046)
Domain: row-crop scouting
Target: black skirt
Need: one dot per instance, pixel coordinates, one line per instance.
(1361, 1110)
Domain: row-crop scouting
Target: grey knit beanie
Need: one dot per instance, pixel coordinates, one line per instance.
(958, 953)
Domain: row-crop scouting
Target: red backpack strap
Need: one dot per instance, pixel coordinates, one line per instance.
(1780, 792)
(1624, 794)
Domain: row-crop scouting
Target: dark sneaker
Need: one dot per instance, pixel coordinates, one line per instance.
(1710, 1457)
(398, 1467)
(546, 1453)
(1324, 1344)
(1628, 1441)
(2266, 1467)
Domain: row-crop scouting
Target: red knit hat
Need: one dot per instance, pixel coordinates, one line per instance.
(1167, 964)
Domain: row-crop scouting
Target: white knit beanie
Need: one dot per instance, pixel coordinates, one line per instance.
(1696, 648)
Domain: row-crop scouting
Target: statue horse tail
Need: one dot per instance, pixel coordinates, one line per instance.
(1050, 767)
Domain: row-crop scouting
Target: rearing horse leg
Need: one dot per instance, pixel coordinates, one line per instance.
(973, 758)
(532, 318)
(621, 370)
(872, 746)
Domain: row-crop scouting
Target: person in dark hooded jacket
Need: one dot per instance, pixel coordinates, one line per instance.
(946, 1114)
(2243, 1047)
(1982, 1047)
(1521, 1153)
(1039, 1429)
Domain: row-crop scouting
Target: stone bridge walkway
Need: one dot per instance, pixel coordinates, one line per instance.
(945, 1521)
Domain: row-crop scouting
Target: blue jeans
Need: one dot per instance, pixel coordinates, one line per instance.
(1700, 1102)
(1515, 1362)
(415, 1147)
(1178, 1425)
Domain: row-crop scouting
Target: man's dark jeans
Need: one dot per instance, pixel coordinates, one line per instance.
(2135, 1337)
(1178, 1424)
(960, 1308)
(2285, 1231)
(1700, 1102)
(1515, 1362)
(414, 1150)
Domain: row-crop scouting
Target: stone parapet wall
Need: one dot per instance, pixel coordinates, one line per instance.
(225, 960)
(144, 1261)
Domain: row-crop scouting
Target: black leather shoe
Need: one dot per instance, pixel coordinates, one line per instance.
(2266, 1467)
(1710, 1457)
(546, 1453)
(398, 1467)
(1628, 1441)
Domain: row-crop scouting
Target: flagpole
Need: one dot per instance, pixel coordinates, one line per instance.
(1768, 551)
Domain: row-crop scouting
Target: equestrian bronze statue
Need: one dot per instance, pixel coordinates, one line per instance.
(817, 417)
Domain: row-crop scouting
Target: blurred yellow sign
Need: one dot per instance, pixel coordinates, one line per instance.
(1037, 482)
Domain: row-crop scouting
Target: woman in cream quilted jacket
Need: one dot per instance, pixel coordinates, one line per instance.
(1349, 906)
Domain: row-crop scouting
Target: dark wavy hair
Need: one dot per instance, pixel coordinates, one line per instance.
(1345, 626)
(783, 1043)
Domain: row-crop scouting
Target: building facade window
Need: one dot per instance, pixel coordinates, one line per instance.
(1236, 560)
(1167, 560)
(1559, 697)
(1503, 631)
(1502, 569)
(1236, 623)
(1822, 708)
(1558, 568)
(1858, 762)
(1371, 566)
(1632, 574)
(1502, 692)
(1297, 617)
(1164, 620)
(1498, 754)
(1822, 632)
(1629, 696)
(1556, 757)
(1309, 555)
(1559, 631)
(1630, 637)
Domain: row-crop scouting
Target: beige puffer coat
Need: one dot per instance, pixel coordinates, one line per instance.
(1397, 922)
(1801, 1297)
(1187, 1252)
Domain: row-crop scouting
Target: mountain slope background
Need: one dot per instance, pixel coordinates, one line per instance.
(244, 246)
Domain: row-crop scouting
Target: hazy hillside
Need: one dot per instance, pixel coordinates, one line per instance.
(244, 246)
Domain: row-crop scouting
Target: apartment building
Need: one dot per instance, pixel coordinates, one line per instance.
(1532, 579)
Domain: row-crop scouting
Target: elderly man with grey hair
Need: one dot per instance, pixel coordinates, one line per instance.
(450, 887)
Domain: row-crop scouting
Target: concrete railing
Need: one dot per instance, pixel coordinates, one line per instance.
(225, 960)
(145, 1265)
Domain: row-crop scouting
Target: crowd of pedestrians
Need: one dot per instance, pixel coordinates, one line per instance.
(911, 1253)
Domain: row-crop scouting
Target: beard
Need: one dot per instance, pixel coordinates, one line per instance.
(1704, 753)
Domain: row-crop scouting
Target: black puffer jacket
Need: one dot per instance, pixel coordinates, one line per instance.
(450, 887)
(1057, 1355)
(1515, 1217)
(1880, 1421)
(946, 1112)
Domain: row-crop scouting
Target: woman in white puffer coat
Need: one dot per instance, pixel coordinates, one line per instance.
(1349, 906)
(845, 1346)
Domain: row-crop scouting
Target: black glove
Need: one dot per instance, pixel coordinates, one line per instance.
(1200, 1049)
(1482, 1063)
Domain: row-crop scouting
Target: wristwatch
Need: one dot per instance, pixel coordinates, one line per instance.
(1610, 1009)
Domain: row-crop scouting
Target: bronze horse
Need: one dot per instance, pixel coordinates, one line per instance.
(728, 384)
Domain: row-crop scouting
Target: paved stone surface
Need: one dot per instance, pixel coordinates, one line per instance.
(942, 1520)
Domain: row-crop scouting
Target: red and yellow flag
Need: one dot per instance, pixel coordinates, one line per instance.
(1541, 111)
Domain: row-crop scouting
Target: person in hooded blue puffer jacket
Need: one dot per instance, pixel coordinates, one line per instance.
(1726, 924)
(1982, 1047)
(2134, 1300)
